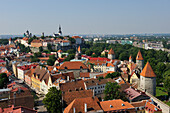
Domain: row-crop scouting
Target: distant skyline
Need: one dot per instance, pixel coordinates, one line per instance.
(84, 16)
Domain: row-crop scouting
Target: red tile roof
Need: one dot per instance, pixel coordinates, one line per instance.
(79, 49)
(73, 65)
(68, 97)
(72, 86)
(79, 105)
(27, 67)
(60, 51)
(139, 103)
(84, 74)
(130, 57)
(111, 51)
(113, 105)
(147, 71)
(76, 37)
(151, 107)
(98, 59)
(2, 61)
(139, 56)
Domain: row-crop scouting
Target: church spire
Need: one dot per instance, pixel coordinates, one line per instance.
(60, 30)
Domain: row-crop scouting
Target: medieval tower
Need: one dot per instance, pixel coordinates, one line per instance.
(148, 80)
(139, 61)
(111, 54)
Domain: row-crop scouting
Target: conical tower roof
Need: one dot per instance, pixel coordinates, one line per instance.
(111, 51)
(130, 57)
(147, 71)
(139, 56)
(79, 49)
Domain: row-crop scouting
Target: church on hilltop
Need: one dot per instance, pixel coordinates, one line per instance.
(59, 32)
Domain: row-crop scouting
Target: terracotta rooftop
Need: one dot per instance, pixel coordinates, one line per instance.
(60, 51)
(94, 82)
(114, 105)
(19, 109)
(68, 97)
(132, 93)
(72, 86)
(139, 103)
(147, 71)
(85, 74)
(73, 65)
(130, 57)
(139, 56)
(111, 51)
(78, 105)
(79, 49)
(151, 107)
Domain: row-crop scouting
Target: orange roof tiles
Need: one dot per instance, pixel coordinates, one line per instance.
(76, 37)
(110, 65)
(60, 51)
(73, 65)
(139, 56)
(111, 51)
(79, 49)
(79, 105)
(115, 105)
(151, 107)
(68, 97)
(130, 57)
(147, 71)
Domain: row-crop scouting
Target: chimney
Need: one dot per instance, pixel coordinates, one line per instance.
(74, 110)
(85, 107)
(14, 95)
(68, 78)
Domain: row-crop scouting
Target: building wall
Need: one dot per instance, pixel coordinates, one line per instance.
(14, 68)
(98, 89)
(36, 45)
(110, 56)
(148, 84)
(134, 78)
(100, 68)
(35, 83)
(140, 64)
(43, 87)
(28, 80)
(20, 74)
(111, 69)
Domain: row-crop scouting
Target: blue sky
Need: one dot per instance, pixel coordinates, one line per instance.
(85, 16)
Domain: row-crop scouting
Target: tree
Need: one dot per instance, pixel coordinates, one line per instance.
(40, 49)
(51, 60)
(49, 46)
(72, 40)
(52, 100)
(112, 91)
(69, 57)
(113, 75)
(167, 84)
(3, 80)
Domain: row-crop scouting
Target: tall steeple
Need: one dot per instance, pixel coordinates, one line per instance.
(60, 30)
